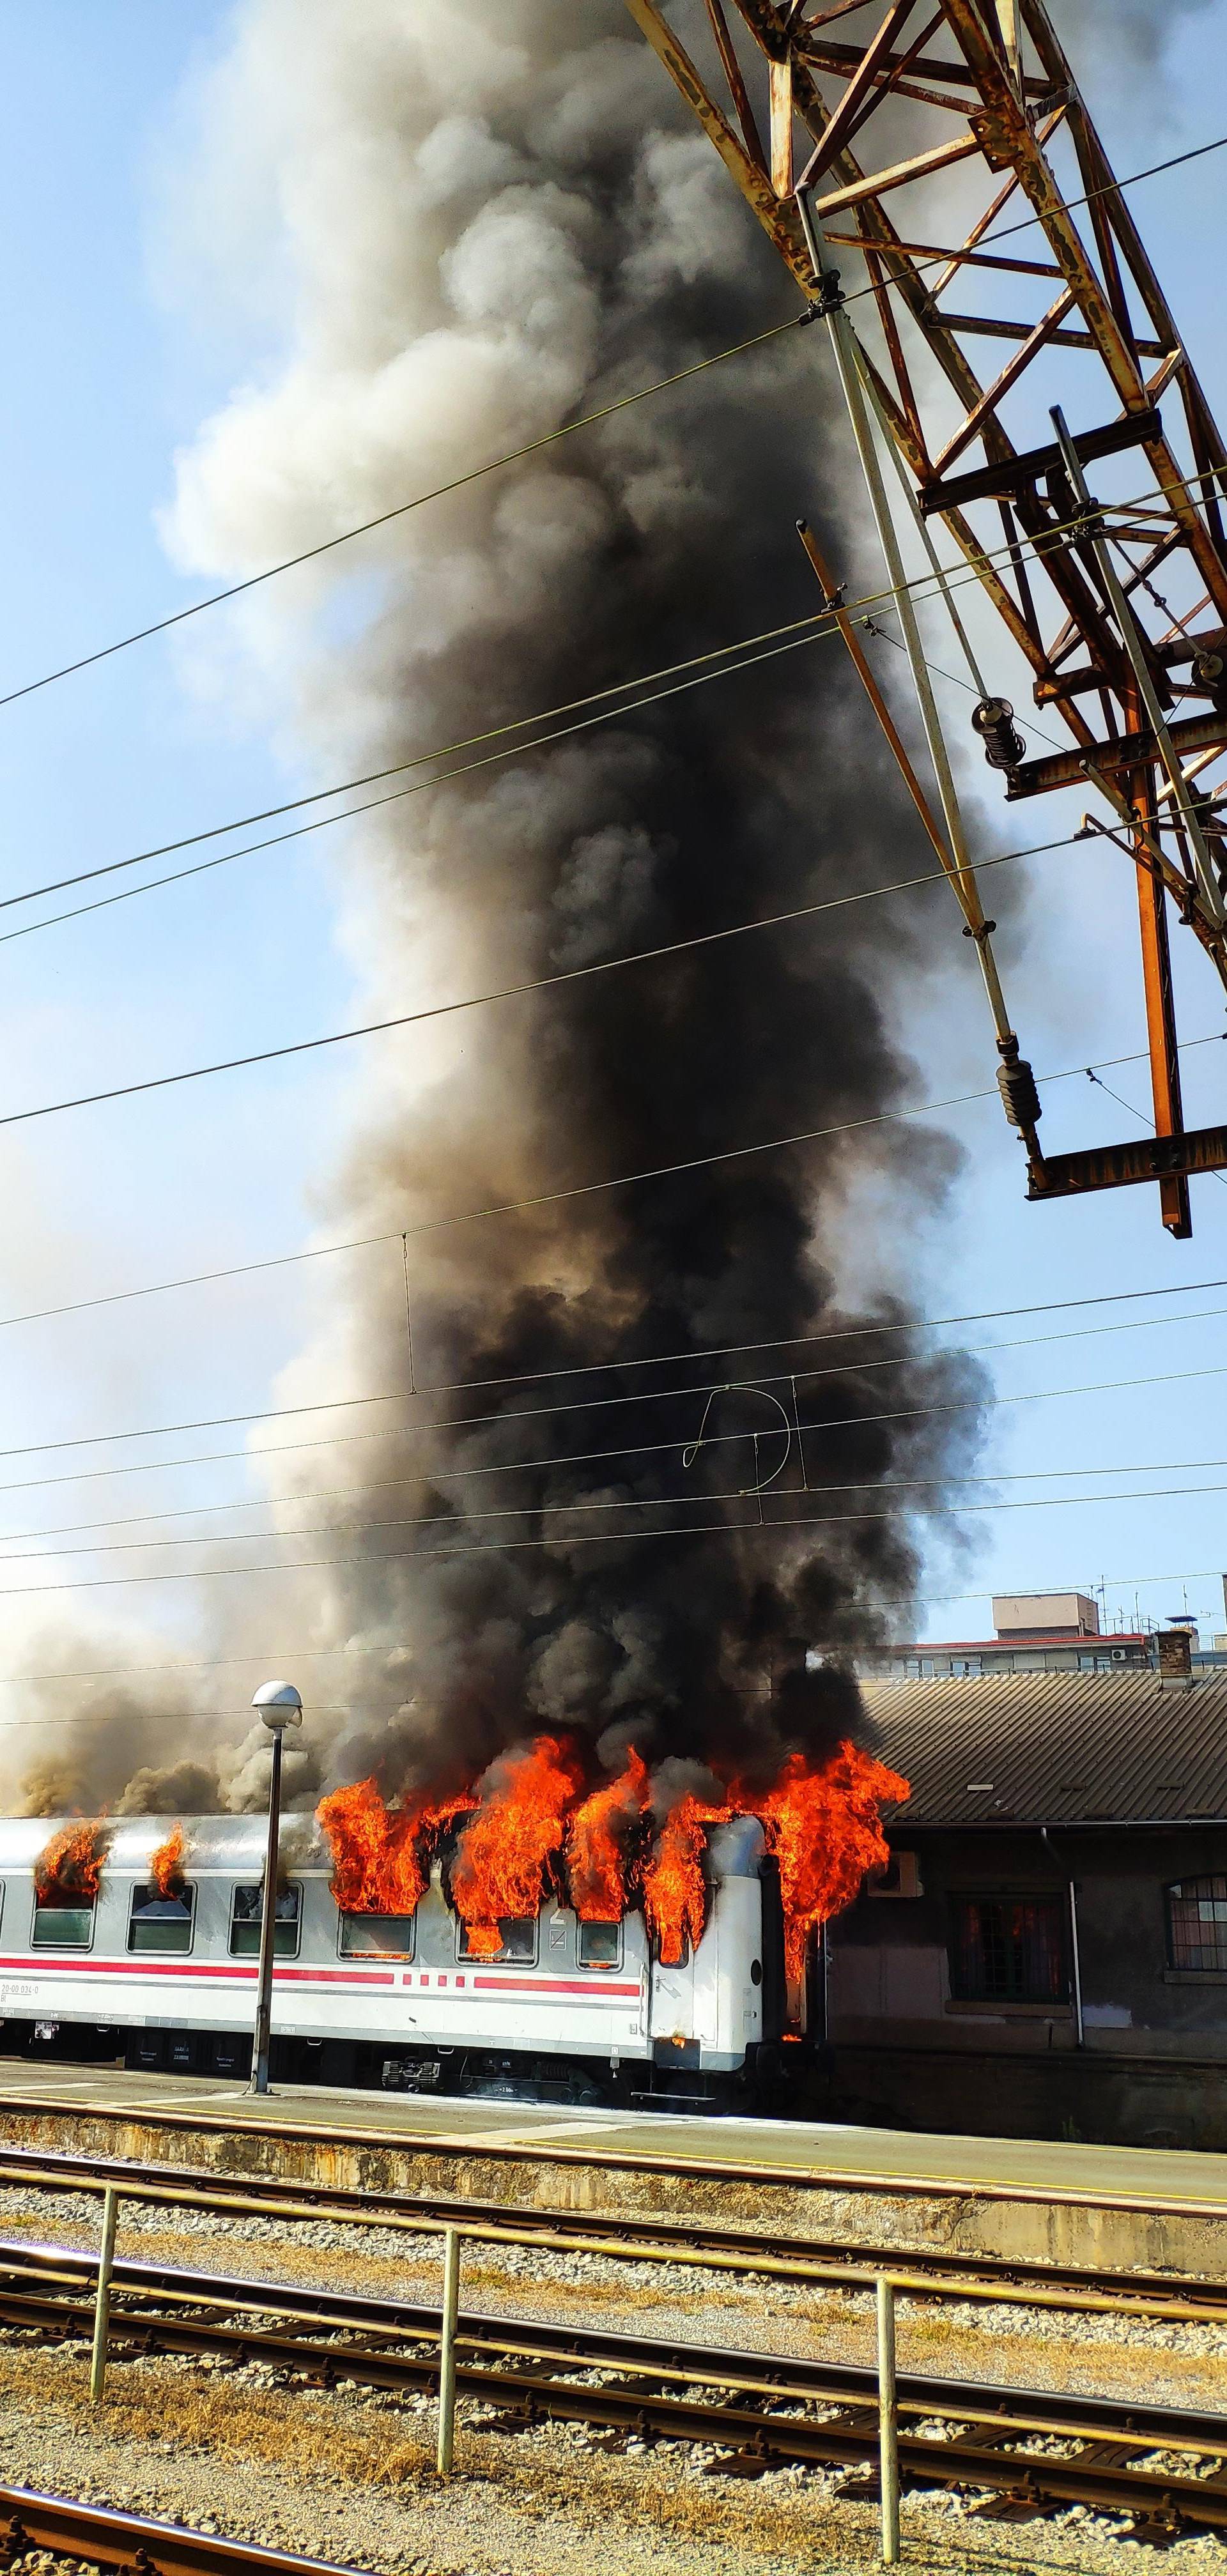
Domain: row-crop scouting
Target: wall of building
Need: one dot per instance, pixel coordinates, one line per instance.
(1150, 2066)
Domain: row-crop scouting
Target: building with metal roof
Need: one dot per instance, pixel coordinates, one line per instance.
(1047, 1955)
(1119, 1748)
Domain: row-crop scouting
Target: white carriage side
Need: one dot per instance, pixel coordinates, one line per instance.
(171, 1977)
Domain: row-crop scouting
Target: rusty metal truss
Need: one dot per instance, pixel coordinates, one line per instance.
(930, 176)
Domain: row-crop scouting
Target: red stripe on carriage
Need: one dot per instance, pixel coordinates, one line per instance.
(551, 1986)
(37, 1964)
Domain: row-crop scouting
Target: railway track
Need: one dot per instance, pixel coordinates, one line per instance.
(935, 2272)
(95, 2536)
(1023, 2452)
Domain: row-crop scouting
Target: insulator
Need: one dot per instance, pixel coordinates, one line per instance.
(994, 722)
(1020, 1098)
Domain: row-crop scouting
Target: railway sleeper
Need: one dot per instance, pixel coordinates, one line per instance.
(1021, 2503)
(846, 2439)
(1160, 2526)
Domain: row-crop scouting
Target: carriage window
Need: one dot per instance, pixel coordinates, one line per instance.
(158, 1922)
(245, 1910)
(60, 1925)
(376, 1936)
(1008, 1949)
(600, 1945)
(518, 1944)
(1197, 1924)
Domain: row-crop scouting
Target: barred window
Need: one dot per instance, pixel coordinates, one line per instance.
(1009, 1950)
(1197, 1924)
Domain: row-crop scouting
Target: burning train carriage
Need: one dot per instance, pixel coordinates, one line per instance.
(163, 1967)
(533, 1933)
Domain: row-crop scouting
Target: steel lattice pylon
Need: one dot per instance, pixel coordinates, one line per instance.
(841, 124)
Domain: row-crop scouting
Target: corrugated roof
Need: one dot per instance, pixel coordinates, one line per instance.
(1055, 1748)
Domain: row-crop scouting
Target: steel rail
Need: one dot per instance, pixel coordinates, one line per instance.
(103, 2537)
(1187, 2298)
(529, 2372)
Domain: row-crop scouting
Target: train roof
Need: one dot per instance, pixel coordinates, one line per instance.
(237, 1843)
(210, 1842)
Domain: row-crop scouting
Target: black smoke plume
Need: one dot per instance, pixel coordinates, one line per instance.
(501, 219)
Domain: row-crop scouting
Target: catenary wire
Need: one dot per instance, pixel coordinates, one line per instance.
(775, 1144)
(265, 1657)
(620, 1503)
(457, 483)
(508, 992)
(699, 669)
(578, 1404)
(374, 804)
(551, 438)
(588, 1457)
(573, 1538)
(538, 984)
(405, 1482)
(901, 1413)
(1139, 1114)
(591, 1368)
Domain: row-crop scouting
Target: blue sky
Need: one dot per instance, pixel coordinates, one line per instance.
(106, 378)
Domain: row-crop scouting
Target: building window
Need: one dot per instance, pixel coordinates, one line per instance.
(517, 1944)
(1008, 1950)
(161, 1922)
(600, 1945)
(1197, 1924)
(376, 1936)
(246, 1906)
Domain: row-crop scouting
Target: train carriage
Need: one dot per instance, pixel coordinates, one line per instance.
(164, 1976)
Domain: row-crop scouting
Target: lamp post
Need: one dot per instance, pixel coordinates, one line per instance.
(279, 1706)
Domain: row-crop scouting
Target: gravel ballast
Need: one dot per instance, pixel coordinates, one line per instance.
(348, 2475)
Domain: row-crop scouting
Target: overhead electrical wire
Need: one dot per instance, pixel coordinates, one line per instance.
(326, 547)
(1140, 1115)
(552, 438)
(549, 1511)
(573, 1538)
(405, 1482)
(402, 509)
(537, 984)
(901, 1413)
(502, 1414)
(263, 1657)
(589, 1368)
(696, 670)
(927, 586)
(623, 1181)
(508, 992)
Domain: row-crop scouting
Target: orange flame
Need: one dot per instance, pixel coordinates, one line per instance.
(596, 1844)
(499, 1869)
(674, 1887)
(166, 1864)
(69, 1867)
(822, 1824)
(825, 1830)
(380, 1854)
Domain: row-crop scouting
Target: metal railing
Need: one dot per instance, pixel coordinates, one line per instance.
(889, 2287)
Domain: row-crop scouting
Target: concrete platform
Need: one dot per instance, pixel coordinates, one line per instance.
(1074, 2204)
